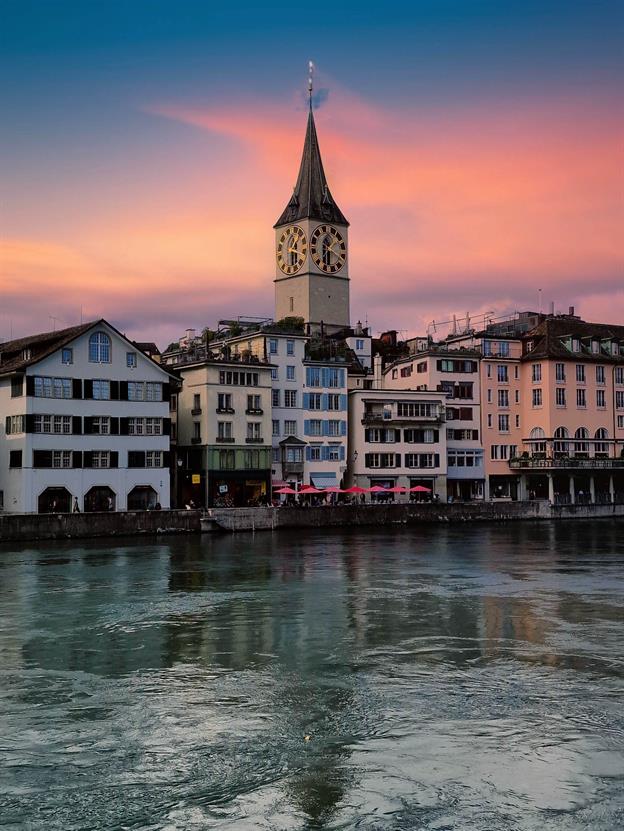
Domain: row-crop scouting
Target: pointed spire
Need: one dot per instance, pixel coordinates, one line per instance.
(311, 198)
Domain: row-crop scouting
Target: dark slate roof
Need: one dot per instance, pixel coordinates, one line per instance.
(40, 346)
(549, 336)
(149, 347)
(311, 197)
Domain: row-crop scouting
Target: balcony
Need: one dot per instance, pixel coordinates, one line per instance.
(253, 412)
(254, 441)
(225, 410)
(225, 439)
(196, 411)
(379, 418)
(292, 468)
(540, 462)
(196, 440)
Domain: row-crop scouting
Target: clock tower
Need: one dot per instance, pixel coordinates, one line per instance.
(311, 248)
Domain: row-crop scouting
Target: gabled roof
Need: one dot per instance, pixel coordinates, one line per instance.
(40, 346)
(549, 335)
(13, 353)
(311, 197)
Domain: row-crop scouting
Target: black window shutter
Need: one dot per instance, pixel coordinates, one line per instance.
(166, 426)
(114, 426)
(436, 459)
(87, 458)
(77, 458)
(30, 422)
(88, 388)
(475, 435)
(7, 425)
(88, 425)
(439, 365)
(123, 390)
(76, 425)
(367, 434)
(42, 458)
(436, 436)
(397, 460)
(123, 426)
(15, 458)
(30, 385)
(114, 390)
(166, 458)
(114, 458)
(77, 388)
(136, 458)
(166, 391)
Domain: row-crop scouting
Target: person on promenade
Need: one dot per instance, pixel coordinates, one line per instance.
(76, 507)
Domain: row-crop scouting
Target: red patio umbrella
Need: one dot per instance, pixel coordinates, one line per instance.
(397, 489)
(378, 489)
(287, 490)
(355, 489)
(333, 489)
(309, 489)
(420, 489)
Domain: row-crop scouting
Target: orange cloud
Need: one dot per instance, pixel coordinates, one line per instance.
(450, 210)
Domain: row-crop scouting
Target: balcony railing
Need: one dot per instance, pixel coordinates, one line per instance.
(225, 439)
(225, 410)
(196, 440)
(254, 411)
(196, 411)
(549, 463)
(375, 418)
(254, 441)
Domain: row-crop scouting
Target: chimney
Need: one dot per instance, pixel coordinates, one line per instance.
(190, 334)
(552, 308)
(571, 311)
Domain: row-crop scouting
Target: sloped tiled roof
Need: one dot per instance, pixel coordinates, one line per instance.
(311, 197)
(549, 335)
(40, 346)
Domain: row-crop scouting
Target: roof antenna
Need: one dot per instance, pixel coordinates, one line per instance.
(310, 81)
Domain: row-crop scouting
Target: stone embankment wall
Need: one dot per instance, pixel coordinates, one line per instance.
(256, 519)
(15, 527)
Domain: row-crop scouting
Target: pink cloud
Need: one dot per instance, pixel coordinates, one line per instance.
(450, 210)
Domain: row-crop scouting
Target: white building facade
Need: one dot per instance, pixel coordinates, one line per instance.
(397, 438)
(85, 423)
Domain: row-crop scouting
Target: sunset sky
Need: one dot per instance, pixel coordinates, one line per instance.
(148, 146)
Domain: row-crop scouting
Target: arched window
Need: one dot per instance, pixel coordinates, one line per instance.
(561, 446)
(327, 249)
(99, 348)
(601, 447)
(581, 445)
(293, 251)
(537, 437)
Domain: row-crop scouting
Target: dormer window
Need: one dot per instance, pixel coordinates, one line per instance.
(595, 347)
(99, 348)
(67, 356)
(576, 345)
(26, 354)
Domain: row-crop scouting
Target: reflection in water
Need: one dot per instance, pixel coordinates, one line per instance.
(447, 677)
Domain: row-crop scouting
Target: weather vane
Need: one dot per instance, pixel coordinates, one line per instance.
(310, 80)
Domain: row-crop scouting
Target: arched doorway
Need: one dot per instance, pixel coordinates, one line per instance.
(142, 498)
(100, 498)
(54, 501)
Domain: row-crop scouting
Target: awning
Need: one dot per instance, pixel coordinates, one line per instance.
(323, 480)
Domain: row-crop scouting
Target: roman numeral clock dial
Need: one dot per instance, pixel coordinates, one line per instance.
(328, 249)
(292, 249)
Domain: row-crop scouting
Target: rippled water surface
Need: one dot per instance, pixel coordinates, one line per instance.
(447, 678)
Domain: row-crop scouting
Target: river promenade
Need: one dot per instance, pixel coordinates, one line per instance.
(24, 527)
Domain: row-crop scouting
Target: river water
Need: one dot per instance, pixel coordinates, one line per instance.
(445, 678)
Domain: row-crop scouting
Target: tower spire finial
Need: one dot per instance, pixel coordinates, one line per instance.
(310, 81)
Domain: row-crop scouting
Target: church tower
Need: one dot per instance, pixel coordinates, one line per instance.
(311, 247)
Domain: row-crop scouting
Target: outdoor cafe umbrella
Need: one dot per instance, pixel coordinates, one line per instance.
(420, 489)
(356, 489)
(287, 490)
(309, 489)
(378, 489)
(397, 489)
(333, 489)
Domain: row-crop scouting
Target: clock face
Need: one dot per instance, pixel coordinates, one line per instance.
(292, 249)
(328, 249)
